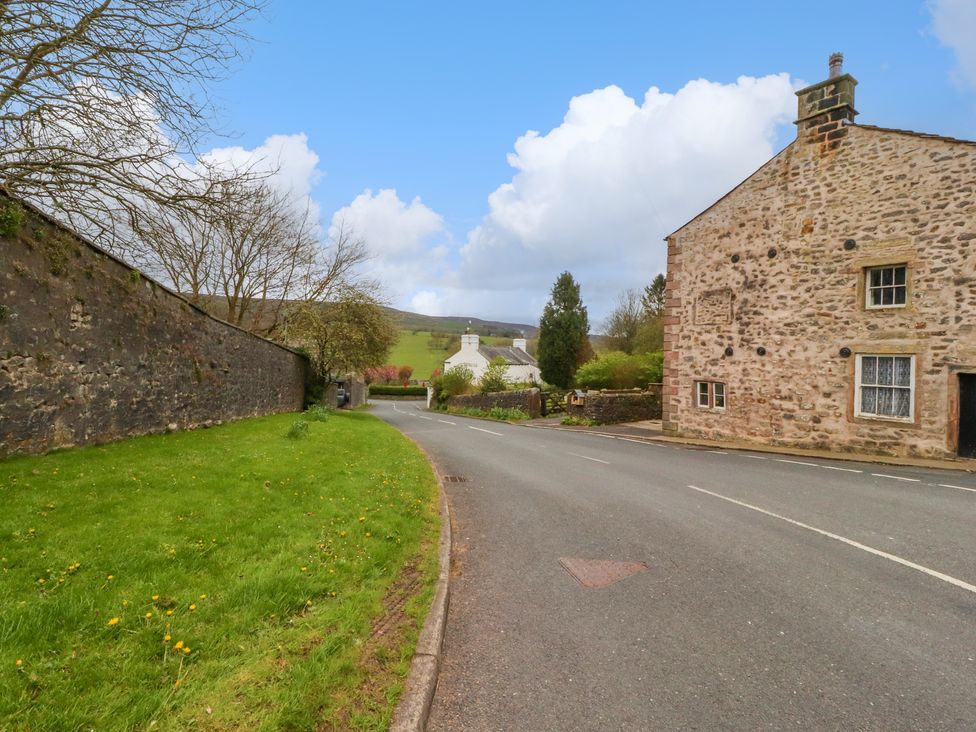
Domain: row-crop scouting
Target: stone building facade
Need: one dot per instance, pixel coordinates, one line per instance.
(91, 350)
(829, 301)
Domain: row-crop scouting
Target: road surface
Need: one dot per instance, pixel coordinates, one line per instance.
(779, 593)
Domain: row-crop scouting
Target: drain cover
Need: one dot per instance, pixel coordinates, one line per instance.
(454, 479)
(600, 572)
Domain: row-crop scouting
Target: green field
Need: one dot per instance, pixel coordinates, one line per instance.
(220, 579)
(413, 350)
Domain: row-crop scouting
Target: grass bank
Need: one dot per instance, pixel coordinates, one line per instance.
(229, 578)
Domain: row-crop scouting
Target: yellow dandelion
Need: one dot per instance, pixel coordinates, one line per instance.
(177, 683)
(193, 607)
(167, 637)
(148, 615)
(186, 651)
(20, 662)
(179, 645)
(125, 603)
(342, 534)
(168, 613)
(304, 569)
(41, 581)
(113, 621)
(155, 597)
(110, 577)
(203, 597)
(361, 519)
(368, 534)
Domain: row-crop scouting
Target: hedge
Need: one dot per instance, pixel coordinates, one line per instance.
(389, 390)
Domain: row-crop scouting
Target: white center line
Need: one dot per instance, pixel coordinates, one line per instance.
(796, 462)
(718, 452)
(846, 470)
(444, 421)
(957, 487)
(596, 460)
(756, 457)
(850, 542)
(499, 434)
(896, 477)
(423, 417)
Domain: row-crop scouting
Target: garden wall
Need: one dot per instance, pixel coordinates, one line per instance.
(92, 351)
(609, 407)
(528, 400)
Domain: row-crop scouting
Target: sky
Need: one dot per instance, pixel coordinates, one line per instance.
(481, 149)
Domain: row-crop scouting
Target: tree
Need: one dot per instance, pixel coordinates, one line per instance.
(564, 342)
(653, 297)
(343, 336)
(495, 377)
(100, 99)
(404, 373)
(624, 323)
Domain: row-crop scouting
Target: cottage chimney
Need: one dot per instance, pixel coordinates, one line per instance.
(824, 109)
(519, 343)
(470, 342)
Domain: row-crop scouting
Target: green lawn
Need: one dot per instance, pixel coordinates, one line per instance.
(270, 559)
(412, 350)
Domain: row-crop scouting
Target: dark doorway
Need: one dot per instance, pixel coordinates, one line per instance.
(967, 415)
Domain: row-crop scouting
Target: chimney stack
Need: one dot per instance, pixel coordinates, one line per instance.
(470, 342)
(824, 109)
(519, 343)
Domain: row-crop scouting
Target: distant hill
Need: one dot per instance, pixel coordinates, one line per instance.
(458, 324)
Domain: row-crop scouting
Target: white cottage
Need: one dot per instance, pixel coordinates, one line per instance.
(519, 365)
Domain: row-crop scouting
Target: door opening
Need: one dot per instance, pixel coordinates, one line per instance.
(967, 415)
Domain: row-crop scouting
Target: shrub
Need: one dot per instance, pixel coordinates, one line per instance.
(578, 421)
(500, 413)
(404, 373)
(317, 413)
(394, 390)
(298, 429)
(11, 219)
(494, 378)
(456, 380)
(618, 370)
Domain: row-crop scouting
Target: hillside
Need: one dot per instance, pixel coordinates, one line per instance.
(458, 324)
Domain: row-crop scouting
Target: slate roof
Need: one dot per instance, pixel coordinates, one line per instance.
(513, 356)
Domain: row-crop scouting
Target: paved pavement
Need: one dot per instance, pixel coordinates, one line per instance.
(779, 592)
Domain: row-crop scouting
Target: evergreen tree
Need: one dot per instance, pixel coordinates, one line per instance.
(564, 342)
(653, 297)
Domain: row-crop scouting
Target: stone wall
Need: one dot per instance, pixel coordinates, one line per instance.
(610, 407)
(790, 247)
(528, 400)
(92, 351)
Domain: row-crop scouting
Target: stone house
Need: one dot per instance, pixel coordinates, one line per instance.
(520, 367)
(829, 300)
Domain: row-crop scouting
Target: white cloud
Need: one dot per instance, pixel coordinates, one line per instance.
(406, 241)
(597, 194)
(954, 24)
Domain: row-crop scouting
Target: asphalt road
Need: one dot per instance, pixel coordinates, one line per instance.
(779, 593)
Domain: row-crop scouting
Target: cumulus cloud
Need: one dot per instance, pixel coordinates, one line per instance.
(954, 24)
(407, 241)
(597, 194)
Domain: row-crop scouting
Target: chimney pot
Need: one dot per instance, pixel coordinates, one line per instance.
(835, 65)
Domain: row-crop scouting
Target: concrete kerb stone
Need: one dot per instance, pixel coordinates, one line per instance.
(960, 466)
(413, 708)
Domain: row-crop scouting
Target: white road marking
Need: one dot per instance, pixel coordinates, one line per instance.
(596, 460)
(444, 421)
(422, 416)
(796, 462)
(718, 452)
(896, 477)
(957, 487)
(846, 470)
(499, 434)
(756, 457)
(850, 542)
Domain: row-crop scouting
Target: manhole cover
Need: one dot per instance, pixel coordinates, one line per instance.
(454, 479)
(600, 572)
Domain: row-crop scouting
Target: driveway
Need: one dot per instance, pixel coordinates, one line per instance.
(739, 590)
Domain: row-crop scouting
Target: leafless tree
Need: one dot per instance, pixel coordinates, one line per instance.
(99, 98)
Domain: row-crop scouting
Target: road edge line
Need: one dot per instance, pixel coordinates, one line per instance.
(413, 708)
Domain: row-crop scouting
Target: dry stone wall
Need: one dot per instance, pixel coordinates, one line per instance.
(528, 400)
(92, 351)
(611, 407)
(790, 246)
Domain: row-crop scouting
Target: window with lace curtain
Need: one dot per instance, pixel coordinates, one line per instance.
(885, 386)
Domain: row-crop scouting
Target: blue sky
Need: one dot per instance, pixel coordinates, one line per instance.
(429, 99)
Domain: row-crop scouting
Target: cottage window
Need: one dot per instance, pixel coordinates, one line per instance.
(886, 287)
(886, 387)
(710, 395)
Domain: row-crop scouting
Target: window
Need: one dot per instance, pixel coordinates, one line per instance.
(710, 395)
(886, 287)
(886, 387)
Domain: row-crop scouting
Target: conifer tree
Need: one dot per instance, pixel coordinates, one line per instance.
(564, 342)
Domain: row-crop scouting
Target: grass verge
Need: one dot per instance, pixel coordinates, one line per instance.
(499, 414)
(296, 572)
